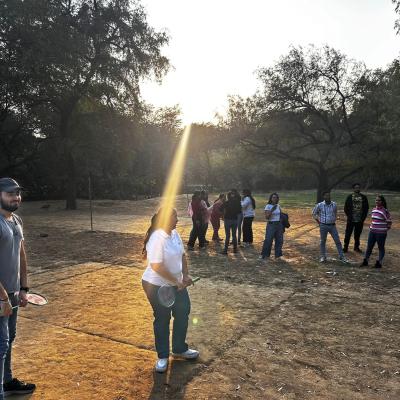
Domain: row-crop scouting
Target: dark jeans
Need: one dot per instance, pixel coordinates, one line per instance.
(205, 227)
(162, 316)
(373, 238)
(274, 231)
(216, 224)
(230, 225)
(357, 227)
(197, 232)
(239, 226)
(8, 330)
(247, 229)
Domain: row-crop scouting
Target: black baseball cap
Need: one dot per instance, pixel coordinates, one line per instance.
(9, 185)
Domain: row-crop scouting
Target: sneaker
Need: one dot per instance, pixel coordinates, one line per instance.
(358, 250)
(322, 259)
(343, 259)
(190, 248)
(161, 365)
(364, 263)
(18, 387)
(189, 354)
(224, 252)
(377, 264)
(261, 257)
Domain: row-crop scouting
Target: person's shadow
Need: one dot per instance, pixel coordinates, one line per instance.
(20, 397)
(172, 383)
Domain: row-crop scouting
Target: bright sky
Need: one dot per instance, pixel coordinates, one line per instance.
(216, 45)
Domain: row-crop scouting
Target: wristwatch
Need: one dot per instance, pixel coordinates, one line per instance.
(24, 288)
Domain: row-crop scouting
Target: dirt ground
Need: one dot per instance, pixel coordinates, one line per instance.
(287, 329)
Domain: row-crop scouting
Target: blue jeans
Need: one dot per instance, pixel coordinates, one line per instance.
(8, 330)
(274, 230)
(373, 238)
(230, 225)
(323, 231)
(162, 316)
(239, 226)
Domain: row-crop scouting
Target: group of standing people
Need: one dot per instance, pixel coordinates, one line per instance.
(235, 210)
(356, 209)
(167, 263)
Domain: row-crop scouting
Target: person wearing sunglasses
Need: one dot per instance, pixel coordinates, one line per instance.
(13, 283)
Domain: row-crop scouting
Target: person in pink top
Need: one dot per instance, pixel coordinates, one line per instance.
(380, 224)
(216, 215)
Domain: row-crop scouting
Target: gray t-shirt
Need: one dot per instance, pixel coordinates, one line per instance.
(11, 236)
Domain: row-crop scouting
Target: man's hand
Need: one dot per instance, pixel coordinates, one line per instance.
(23, 299)
(6, 308)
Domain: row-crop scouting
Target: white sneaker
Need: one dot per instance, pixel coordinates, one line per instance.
(261, 257)
(343, 259)
(322, 259)
(189, 354)
(161, 364)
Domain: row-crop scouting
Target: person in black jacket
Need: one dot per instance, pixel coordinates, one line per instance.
(356, 210)
(231, 209)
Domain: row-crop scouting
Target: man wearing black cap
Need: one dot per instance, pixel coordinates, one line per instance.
(13, 283)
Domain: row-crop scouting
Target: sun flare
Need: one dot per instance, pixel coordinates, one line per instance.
(174, 179)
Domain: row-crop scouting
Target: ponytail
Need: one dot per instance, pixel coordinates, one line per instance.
(150, 230)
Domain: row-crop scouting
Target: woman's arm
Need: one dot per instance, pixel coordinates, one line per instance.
(269, 212)
(164, 273)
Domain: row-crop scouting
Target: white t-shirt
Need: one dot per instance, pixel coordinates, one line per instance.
(167, 249)
(247, 207)
(276, 214)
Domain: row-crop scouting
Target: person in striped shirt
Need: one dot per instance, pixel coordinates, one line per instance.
(325, 213)
(381, 222)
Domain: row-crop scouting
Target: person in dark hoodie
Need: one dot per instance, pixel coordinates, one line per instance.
(356, 210)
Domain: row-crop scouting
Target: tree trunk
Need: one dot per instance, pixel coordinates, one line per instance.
(70, 169)
(71, 182)
(322, 184)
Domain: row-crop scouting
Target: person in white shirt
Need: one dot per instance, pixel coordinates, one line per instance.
(325, 213)
(167, 265)
(274, 229)
(248, 206)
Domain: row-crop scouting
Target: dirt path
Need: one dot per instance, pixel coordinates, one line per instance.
(290, 329)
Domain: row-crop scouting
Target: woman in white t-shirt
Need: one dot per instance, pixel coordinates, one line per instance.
(167, 265)
(274, 229)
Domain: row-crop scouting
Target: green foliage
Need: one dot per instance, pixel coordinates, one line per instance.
(72, 56)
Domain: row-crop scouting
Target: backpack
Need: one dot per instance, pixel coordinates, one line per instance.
(285, 220)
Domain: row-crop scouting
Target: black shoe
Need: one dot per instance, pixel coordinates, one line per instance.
(345, 249)
(18, 387)
(378, 265)
(206, 242)
(364, 263)
(190, 248)
(235, 250)
(357, 250)
(224, 252)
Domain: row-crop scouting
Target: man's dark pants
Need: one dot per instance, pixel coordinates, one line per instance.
(357, 227)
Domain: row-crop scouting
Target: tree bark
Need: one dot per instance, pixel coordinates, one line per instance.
(322, 183)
